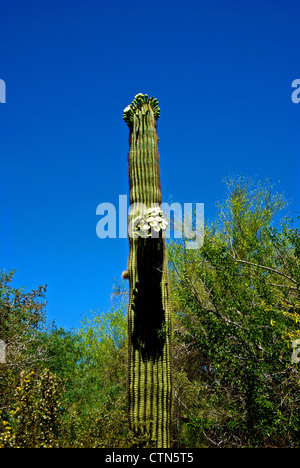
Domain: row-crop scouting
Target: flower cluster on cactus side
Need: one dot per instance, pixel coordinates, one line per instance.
(150, 222)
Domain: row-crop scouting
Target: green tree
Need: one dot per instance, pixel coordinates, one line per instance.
(95, 380)
(102, 369)
(64, 352)
(236, 303)
(22, 317)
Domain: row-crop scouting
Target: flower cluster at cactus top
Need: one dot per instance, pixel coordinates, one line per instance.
(137, 103)
(151, 221)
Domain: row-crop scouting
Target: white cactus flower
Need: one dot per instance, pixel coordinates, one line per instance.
(152, 218)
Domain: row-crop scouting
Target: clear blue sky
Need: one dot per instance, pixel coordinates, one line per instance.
(222, 72)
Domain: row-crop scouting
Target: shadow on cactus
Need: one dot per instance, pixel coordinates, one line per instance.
(149, 315)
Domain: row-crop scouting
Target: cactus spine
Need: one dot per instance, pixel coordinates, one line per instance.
(149, 316)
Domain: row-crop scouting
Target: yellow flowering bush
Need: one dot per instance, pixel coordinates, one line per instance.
(35, 419)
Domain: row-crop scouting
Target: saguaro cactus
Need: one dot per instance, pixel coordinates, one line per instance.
(149, 316)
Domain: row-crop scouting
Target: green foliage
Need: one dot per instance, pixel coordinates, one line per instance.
(37, 411)
(237, 304)
(64, 350)
(22, 318)
(102, 368)
(246, 215)
(106, 426)
(22, 315)
(35, 420)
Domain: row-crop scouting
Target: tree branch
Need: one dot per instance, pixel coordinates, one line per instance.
(264, 268)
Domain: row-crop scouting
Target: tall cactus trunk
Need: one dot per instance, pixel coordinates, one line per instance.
(149, 316)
